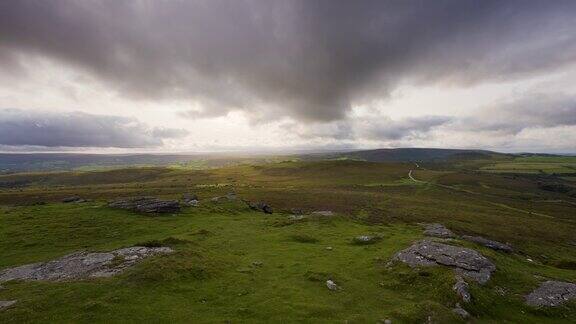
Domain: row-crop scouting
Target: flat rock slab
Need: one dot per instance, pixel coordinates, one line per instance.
(466, 262)
(437, 230)
(6, 303)
(146, 205)
(552, 294)
(494, 245)
(83, 265)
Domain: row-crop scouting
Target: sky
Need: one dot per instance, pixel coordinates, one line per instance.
(279, 75)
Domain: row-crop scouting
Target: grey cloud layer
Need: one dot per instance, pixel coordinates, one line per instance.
(305, 59)
(19, 128)
(537, 110)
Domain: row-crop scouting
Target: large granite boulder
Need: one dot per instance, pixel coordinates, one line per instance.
(552, 294)
(146, 205)
(466, 262)
(82, 265)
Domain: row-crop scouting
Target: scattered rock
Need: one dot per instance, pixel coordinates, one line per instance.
(332, 285)
(386, 321)
(82, 265)
(462, 289)
(329, 248)
(437, 230)
(6, 303)
(73, 199)
(466, 262)
(257, 263)
(259, 206)
(190, 200)
(366, 239)
(552, 294)
(297, 211)
(458, 310)
(296, 217)
(494, 245)
(146, 205)
(325, 213)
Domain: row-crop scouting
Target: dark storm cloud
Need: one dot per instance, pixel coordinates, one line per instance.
(76, 129)
(306, 59)
(537, 110)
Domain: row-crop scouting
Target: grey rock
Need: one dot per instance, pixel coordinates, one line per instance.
(462, 289)
(82, 265)
(458, 310)
(73, 199)
(494, 245)
(146, 205)
(325, 213)
(552, 294)
(190, 200)
(437, 230)
(6, 303)
(332, 285)
(260, 206)
(191, 203)
(366, 239)
(466, 262)
(297, 217)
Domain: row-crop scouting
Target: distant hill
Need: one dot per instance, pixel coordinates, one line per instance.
(417, 155)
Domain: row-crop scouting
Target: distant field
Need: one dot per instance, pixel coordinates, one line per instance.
(537, 164)
(212, 277)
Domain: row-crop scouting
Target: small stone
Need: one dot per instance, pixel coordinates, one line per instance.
(329, 248)
(331, 285)
(6, 303)
(462, 290)
(257, 264)
(458, 310)
(296, 217)
(366, 239)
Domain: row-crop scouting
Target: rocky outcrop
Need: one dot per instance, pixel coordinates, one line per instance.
(437, 230)
(552, 294)
(494, 245)
(82, 265)
(146, 205)
(466, 262)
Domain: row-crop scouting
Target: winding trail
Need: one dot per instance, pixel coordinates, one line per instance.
(412, 177)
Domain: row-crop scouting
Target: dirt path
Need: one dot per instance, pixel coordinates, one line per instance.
(412, 177)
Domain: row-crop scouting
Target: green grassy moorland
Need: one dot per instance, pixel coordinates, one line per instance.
(236, 265)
